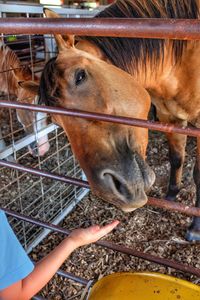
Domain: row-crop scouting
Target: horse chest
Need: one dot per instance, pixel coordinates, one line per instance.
(169, 108)
(173, 99)
(163, 96)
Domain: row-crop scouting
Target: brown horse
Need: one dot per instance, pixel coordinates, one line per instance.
(11, 73)
(169, 70)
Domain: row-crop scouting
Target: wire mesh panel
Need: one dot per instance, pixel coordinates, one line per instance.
(43, 198)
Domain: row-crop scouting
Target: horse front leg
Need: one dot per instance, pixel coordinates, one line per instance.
(193, 233)
(177, 143)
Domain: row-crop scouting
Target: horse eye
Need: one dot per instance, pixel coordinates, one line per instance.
(80, 77)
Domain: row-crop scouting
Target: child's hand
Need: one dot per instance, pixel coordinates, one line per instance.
(91, 234)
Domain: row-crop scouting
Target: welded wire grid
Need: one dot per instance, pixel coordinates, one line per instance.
(39, 197)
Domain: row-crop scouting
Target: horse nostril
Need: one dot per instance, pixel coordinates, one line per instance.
(118, 186)
(33, 149)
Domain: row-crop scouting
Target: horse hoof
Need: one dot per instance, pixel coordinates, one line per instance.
(170, 197)
(192, 235)
(171, 194)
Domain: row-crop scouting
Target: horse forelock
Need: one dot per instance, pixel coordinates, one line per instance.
(48, 83)
(133, 53)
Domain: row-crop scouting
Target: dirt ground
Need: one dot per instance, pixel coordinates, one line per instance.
(147, 229)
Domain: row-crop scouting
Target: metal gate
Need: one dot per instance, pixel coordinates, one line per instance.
(180, 29)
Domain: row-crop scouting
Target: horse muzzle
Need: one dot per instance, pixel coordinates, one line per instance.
(39, 148)
(126, 187)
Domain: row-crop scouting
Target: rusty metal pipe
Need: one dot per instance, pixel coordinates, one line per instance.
(71, 276)
(49, 175)
(112, 246)
(169, 205)
(155, 259)
(174, 206)
(103, 117)
(186, 29)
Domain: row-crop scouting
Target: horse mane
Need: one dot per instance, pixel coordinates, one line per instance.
(48, 92)
(132, 53)
(9, 61)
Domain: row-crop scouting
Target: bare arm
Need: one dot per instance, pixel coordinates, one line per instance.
(47, 267)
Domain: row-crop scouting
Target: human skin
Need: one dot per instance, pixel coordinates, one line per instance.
(46, 268)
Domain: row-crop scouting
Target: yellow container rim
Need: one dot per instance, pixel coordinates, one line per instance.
(153, 275)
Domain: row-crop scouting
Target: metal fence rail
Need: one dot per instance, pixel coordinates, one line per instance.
(138, 28)
(191, 131)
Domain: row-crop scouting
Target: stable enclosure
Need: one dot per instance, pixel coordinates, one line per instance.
(47, 200)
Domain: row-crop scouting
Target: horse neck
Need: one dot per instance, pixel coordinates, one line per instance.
(151, 76)
(175, 86)
(8, 61)
(168, 69)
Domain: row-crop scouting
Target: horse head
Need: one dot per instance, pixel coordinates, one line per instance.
(31, 122)
(111, 155)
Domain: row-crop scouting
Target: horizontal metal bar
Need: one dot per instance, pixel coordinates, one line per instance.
(174, 206)
(112, 246)
(170, 205)
(155, 259)
(71, 276)
(29, 50)
(103, 117)
(49, 175)
(186, 29)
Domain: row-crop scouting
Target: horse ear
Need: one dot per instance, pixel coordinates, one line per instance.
(29, 86)
(62, 41)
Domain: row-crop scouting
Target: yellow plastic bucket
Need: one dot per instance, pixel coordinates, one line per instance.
(143, 286)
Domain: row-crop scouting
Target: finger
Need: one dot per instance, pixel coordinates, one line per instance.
(110, 226)
(107, 228)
